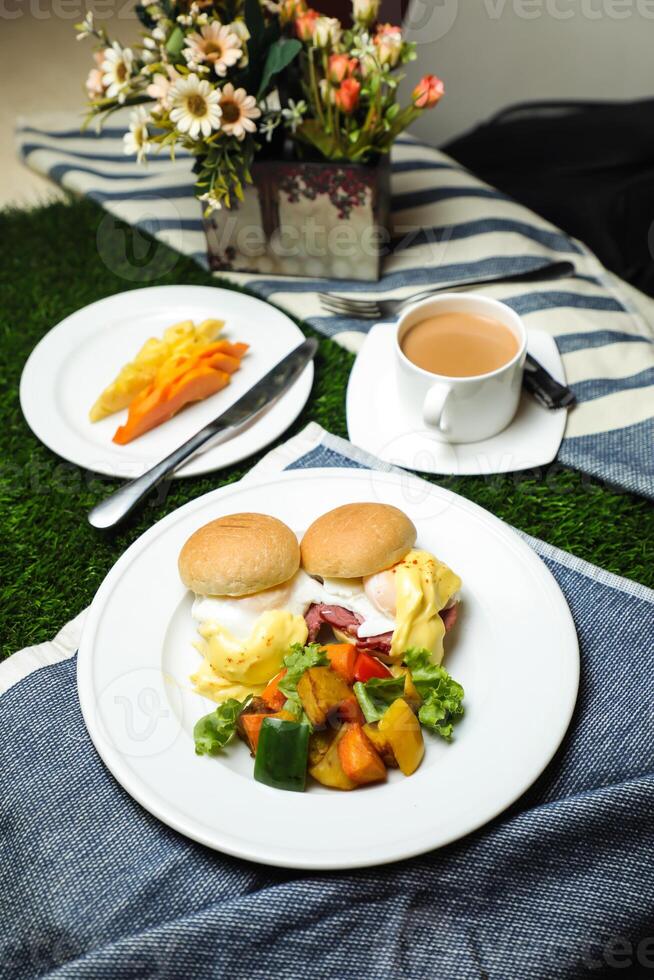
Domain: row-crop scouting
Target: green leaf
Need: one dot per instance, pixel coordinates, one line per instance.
(213, 731)
(377, 695)
(175, 42)
(296, 663)
(442, 696)
(280, 55)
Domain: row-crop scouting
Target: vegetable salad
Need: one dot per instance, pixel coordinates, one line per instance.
(340, 716)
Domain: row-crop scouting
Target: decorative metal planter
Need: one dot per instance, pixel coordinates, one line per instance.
(306, 219)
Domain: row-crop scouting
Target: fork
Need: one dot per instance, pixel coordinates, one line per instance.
(382, 309)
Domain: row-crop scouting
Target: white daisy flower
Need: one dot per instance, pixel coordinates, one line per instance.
(160, 86)
(215, 44)
(94, 86)
(195, 106)
(137, 139)
(239, 110)
(117, 69)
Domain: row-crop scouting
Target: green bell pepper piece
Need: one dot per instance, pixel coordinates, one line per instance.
(282, 754)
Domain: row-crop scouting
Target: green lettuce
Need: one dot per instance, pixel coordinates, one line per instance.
(212, 732)
(296, 663)
(441, 695)
(377, 695)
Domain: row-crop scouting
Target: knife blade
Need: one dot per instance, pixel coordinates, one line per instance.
(119, 504)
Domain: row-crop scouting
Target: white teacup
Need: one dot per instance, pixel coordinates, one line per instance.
(465, 409)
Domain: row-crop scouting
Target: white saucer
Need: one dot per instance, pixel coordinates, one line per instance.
(378, 422)
(71, 365)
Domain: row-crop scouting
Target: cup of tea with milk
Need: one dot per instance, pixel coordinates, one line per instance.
(460, 360)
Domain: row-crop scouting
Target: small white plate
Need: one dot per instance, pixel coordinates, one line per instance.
(75, 361)
(378, 422)
(514, 649)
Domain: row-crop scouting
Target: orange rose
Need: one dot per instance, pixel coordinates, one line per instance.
(305, 24)
(428, 92)
(346, 96)
(340, 67)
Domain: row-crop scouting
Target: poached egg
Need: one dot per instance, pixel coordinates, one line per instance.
(243, 640)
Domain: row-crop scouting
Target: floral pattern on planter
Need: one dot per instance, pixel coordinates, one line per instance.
(306, 219)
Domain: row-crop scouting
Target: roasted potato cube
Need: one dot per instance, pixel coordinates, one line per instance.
(321, 691)
(402, 729)
(319, 744)
(329, 770)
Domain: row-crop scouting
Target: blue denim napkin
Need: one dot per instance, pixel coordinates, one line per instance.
(560, 885)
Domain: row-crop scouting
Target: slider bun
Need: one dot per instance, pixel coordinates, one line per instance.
(357, 540)
(239, 555)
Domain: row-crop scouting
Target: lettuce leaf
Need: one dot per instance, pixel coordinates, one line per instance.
(442, 696)
(212, 732)
(296, 663)
(377, 695)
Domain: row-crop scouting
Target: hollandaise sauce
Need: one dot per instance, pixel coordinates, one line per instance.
(233, 667)
(424, 586)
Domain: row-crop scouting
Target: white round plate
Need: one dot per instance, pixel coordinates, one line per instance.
(379, 422)
(72, 364)
(514, 649)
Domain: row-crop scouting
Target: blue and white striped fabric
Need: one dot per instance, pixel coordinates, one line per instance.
(448, 226)
(559, 886)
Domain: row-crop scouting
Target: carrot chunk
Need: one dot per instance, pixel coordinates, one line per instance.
(342, 657)
(358, 758)
(271, 693)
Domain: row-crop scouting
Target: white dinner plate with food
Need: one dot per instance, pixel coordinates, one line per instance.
(379, 421)
(76, 360)
(514, 649)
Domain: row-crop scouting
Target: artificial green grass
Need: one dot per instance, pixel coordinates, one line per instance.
(57, 259)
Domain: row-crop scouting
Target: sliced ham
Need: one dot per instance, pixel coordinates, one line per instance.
(348, 622)
(449, 616)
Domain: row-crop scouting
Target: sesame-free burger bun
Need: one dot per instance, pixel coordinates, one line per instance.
(239, 555)
(357, 540)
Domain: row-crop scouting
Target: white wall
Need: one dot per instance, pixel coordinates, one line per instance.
(492, 53)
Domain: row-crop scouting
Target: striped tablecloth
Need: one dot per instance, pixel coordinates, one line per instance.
(603, 328)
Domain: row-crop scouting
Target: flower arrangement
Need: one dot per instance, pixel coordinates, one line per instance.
(229, 80)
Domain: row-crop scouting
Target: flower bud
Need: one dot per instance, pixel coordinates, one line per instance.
(346, 96)
(340, 67)
(327, 32)
(305, 25)
(428, 92)
(389, 44)
(365, 12)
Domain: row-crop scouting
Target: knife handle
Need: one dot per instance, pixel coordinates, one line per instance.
(118, 505)
(544, 388)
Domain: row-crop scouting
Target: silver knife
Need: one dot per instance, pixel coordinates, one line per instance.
(111, 511)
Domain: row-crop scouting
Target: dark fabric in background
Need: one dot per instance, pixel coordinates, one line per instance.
(390, 11)
(586, 167)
